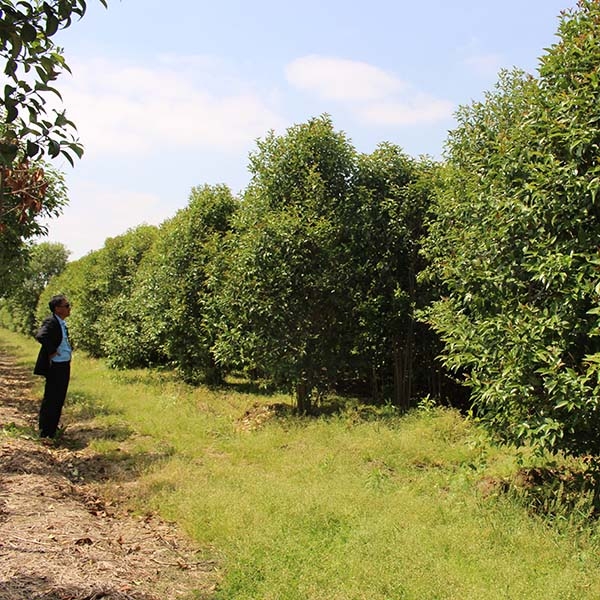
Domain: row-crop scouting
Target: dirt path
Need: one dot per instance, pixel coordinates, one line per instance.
(59, 540)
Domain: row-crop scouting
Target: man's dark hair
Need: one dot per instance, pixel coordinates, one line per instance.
(55, 301)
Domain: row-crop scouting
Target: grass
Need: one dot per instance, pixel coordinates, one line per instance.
(343, 507)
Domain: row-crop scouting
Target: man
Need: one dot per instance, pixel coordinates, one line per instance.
(54, 363)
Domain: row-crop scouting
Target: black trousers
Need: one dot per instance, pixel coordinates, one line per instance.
(55, 392)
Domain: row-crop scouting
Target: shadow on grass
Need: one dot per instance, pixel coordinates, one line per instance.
(114, 462)
(247, 387)
(78, 429)
(561, 496)
(325, 406)
(84, 430)
(116, 465)
(85, 406)
(560, 492)
(85, 422)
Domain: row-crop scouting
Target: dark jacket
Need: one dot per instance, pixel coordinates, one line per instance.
(49, 336)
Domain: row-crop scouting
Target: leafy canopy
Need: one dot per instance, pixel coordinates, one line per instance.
(29, 130)
(514, 241)
(32, 63)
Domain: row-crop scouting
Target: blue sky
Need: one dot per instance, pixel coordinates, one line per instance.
(169, 95)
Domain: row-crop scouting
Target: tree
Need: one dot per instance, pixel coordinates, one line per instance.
(392, 347)
(167, 304)
(17, 228)
(44, 261)
(32, 64)
(515, 243)
(29, 132)
(140, 299)
(279, 284)
(316, 286)
(98, 285)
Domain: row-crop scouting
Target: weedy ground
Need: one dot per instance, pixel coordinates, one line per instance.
(363, 503)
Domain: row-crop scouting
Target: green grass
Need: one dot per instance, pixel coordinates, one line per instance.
(336, 508)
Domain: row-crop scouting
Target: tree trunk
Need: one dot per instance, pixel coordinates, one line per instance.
(403, 374)
(303, 397)
(404, 348)
(375, 384)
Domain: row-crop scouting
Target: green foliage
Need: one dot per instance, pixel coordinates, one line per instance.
(169, 295)
(98, 285)
(280, 284)
(395, 192)
(18, 306)
(316, 286)
(279, 305)
(32, 63)
(140, 300)
(514, 240)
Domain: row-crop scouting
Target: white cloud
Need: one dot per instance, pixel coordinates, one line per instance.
(95, 213)
(131, 109)
(341, 79)
(143, 124)
(373, 95)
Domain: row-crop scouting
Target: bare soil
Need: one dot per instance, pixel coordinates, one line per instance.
(60, 539)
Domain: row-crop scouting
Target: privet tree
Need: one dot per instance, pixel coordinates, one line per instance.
(140, 300)
(396, 351)
(169, 294)
(280, 284)
(112, 283)
(98, 285)
(515, 242)
(316, 287)
(70, 282)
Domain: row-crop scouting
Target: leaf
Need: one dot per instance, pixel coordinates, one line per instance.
(28, 33)
(78, 149)
(16, 47)
(9, 90)
(68, 156)
(42, 87)
(11, 68)
(32, 149)
(52, 24)
(8, 152)
(11, 112)
(53, 148)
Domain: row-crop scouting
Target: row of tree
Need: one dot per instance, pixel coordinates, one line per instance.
(308, 281)
(341, 270)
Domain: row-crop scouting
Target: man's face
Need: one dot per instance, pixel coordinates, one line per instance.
(63, 310)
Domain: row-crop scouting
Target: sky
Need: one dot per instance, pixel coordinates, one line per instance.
(171, 95)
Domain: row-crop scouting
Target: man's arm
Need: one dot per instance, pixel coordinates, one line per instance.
(49, 336)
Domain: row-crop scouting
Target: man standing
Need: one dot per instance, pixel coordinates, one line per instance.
(54, 363)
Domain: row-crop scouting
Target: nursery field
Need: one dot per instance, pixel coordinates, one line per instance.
(258, 503)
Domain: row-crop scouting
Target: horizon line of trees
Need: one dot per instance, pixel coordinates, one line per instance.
(385, 274)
